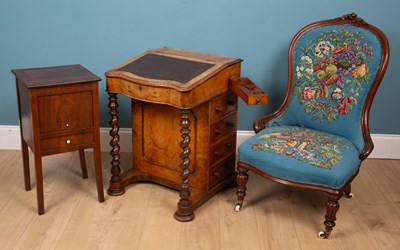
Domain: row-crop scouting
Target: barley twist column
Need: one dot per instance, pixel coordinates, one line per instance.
(185, 209)
(115, 188)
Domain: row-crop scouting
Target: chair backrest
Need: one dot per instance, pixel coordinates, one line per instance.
(335, 68)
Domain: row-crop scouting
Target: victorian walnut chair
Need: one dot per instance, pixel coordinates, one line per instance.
(319, 136)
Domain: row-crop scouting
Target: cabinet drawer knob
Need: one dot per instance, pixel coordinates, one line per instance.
(68, 141)
(67, 125)
(230, 124)
(217, 154)
(229, 145)
(217, 174)
(231, 102)
(218, 110)
(218, 132)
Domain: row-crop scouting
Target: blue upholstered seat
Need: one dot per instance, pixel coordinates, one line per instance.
(302, 155)
(319, 136)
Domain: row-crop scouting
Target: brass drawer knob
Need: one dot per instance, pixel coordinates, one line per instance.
(68, 141)
(67, 125)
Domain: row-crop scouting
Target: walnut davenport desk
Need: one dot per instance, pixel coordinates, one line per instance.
(58, 112)
(184, 122)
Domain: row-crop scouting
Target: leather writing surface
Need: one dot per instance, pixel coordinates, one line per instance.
(166, 68)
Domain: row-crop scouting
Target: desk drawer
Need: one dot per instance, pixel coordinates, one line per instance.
(222, 149)
(223, 128)
(219, 172)
(223, 105)
(58, 143)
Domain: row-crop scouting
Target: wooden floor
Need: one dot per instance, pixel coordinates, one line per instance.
(273, 216)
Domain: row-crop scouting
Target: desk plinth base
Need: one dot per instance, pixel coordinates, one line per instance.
(183, 214)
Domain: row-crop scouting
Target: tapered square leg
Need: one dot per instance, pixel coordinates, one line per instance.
(99, 174)
(83, 163)
(25, 162)
(39, 183)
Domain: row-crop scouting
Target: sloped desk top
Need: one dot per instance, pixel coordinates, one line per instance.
(176, 77)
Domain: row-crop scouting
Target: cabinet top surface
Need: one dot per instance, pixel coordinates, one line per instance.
(171, 67)
(50, 76)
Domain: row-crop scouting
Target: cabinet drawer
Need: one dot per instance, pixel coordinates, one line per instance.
(57, 143)
(223, 105)
(221, 171)
(222, 149)
(223, 128)
(66, 111)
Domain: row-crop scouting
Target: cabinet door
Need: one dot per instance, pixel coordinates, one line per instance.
(66, 111)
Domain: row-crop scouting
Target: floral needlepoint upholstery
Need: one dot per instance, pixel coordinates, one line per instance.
(303, 155)
(319, 136)
(334, 67)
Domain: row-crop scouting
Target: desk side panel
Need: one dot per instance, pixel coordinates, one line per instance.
(25, 114)
(156, 143)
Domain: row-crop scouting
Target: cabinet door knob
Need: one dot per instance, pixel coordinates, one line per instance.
(68, 141)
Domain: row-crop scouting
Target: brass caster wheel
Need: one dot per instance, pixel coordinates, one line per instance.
(349, 195)
(323, 235)
(238, 207)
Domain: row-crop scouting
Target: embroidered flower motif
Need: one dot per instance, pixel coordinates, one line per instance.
(312, 147)
(360, 71)
(323, 48)
(308, 93)
(333, 65)
(345, 106)
(337, 95)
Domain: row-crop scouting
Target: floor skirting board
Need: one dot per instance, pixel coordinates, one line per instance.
(387, 146)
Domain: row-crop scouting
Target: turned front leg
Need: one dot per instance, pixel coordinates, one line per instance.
(332, 206)
(115, 180)
(241, 180)
(185, 209)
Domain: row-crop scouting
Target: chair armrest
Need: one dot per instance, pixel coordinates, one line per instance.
(262, 122)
